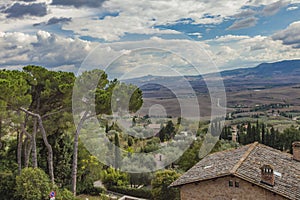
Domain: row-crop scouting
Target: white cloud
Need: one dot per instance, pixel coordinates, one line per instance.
(290, 35)
(292, 8)
(25, 24)
(245, 13)
(273, 8)
(148, 56)
(140, 16)
(144, 56)
(112, 28)
(230, 38)
(243, 23)
(199, 35)
(23, 44)
(240, 51)
(44, 49)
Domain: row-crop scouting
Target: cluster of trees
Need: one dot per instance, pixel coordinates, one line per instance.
(226, 133)
(266, 107)
(167, 132)
(159, 181)
(40, 149)
(260, 132)
(37, 128)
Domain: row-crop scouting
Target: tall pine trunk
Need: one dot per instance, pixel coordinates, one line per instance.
(0, 133)
(27, 151)
(33, 141)
(48, 146)
(75, 152)
(20, 145)
(19, 151)
(28, 144)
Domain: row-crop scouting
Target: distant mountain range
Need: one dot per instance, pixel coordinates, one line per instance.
(283, 68)
(265, 75)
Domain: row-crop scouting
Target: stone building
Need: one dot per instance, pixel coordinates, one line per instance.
(251, 172)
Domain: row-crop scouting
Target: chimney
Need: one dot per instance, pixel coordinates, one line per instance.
(296, 151)
(267, 175)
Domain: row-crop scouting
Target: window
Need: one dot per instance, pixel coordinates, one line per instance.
(230, 183)
(237, 184)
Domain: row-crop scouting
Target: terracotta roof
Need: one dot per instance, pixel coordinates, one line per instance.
(245, 162)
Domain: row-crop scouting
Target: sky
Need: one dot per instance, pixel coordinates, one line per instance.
(148, 37)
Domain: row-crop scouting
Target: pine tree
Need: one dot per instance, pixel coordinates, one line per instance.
(106, 127)
(169, 130)
(134, 121)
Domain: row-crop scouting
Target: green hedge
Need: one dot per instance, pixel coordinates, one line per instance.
(141, 193)
(97, 190)
(7, 185)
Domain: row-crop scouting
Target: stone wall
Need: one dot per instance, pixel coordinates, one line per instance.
(219, 189)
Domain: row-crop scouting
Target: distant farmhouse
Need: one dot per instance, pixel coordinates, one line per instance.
(251, 172)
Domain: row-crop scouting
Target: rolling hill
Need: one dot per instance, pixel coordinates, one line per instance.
(266, 83)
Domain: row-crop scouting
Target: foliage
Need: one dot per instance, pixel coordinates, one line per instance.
(139, 163)
(160, 185)
(136, 192)
(33, 184)
(114, 177)
(126, 97)
(152, 145)
(62, 144)
(63, 194)
(223, 145)
(190, 157)
(167, 132)
(8, 156)
(117, 151)
(97, 190)
(46, 95)
(89, 170)
(14, 89)
(226, 133)
(139, 179)
(7, 185)
(268, 136)
(283, 141)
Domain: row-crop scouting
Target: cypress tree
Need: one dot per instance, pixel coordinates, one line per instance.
(267, 138)
(253, 134)
(263, 134)
(117, 151)
(272, 137)
(248, 135)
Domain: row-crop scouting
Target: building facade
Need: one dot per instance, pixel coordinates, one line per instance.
(226, 188)
(251, 172)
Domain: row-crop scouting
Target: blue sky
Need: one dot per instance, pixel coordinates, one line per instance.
(73, 34)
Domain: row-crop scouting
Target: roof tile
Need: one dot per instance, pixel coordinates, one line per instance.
(245, 162)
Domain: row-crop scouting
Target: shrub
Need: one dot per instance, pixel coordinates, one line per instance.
(7, 185)
(97, 190)
(113, 177)
(33, 184)
(62, 193)
(160, 185)
(141, 193)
